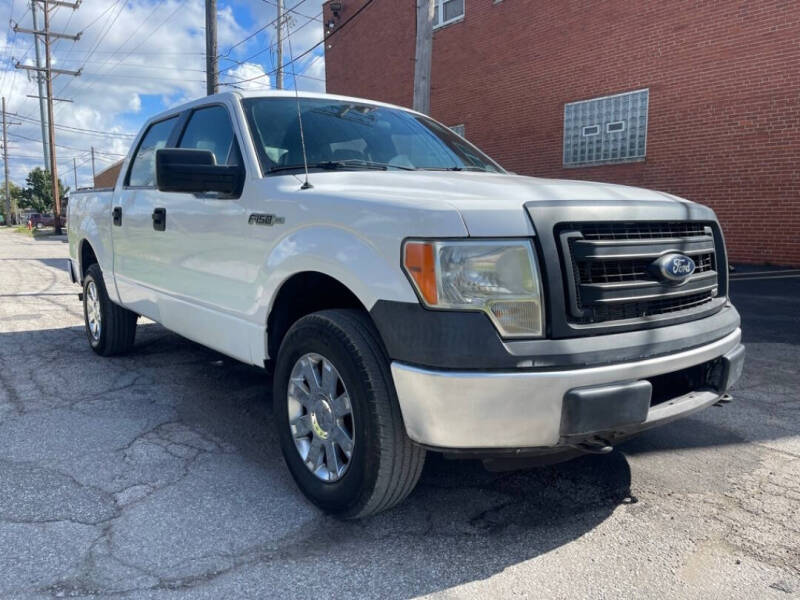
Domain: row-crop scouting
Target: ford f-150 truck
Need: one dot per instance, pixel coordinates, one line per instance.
(409, 293)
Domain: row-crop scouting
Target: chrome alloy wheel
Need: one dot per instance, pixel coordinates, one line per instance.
(93, 314)
(321, 417)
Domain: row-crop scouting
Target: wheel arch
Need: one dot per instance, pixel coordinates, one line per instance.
(86, 256)
(301, 294)
(327, 267)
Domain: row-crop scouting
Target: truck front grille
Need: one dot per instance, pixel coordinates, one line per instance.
(607, 269)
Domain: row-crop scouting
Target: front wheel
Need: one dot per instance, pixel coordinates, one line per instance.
(111, 329)
(338, 419)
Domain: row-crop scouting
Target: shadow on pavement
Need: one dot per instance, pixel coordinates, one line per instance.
(461, 524)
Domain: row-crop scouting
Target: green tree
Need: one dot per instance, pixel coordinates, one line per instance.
(15, 192)
(38, 192)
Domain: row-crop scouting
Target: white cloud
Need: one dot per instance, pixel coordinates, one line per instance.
(313, 78)
(138, 57)
(247, 76)
(135, 103)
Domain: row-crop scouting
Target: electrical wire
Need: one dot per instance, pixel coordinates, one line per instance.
(265, 49)
(255, 33)
(312, 48)
(77, 129)
(292, 10)
(17, 135)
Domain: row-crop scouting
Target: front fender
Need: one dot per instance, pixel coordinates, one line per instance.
(370, 272)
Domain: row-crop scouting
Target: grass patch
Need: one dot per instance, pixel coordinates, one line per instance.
(24, 230)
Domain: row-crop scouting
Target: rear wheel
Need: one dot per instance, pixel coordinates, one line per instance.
(111, 329)
(338, 419)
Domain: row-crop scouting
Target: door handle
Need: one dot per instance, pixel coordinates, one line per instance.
(160, 219)
(117, 216)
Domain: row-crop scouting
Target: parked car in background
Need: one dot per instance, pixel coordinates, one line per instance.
(410, 294)
(39, 220)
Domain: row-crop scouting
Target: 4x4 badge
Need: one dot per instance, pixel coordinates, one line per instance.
(262, 219)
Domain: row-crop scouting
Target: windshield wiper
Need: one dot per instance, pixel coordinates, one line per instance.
(332, 165)
(454, 168)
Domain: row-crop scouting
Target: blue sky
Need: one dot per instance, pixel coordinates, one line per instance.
(139, 57)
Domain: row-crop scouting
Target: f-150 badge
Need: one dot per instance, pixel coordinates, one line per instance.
(262, 219)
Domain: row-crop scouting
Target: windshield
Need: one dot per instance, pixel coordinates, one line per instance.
(343, 134)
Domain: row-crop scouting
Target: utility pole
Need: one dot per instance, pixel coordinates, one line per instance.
(93, 166)
(212, 68)
(279, 42)
(10, 209)
(7, 210)
(40, 83)
(75, 171)
(423, 53)
(49, 71)
(51, 123)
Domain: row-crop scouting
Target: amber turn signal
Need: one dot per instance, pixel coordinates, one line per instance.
(419, 263)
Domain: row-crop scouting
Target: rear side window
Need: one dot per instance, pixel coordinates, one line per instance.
(210, 129)
(143, 169)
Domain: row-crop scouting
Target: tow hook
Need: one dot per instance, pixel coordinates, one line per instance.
(594, 446)
(80, 296)
(723, 400)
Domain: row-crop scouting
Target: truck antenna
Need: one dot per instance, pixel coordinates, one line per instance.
(306, 184)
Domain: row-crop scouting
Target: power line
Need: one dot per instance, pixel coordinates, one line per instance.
(49, 36)
(139, 77)
(269, 47)
(108, 28)
(130, 37)
(315, 46)
(17, 135)
(292, 10)
(79, 129)
(134, 65)
(255, 33)
(149, 35)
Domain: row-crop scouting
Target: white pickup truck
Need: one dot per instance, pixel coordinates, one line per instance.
(409, 293)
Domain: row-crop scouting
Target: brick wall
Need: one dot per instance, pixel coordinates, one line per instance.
(724, 80)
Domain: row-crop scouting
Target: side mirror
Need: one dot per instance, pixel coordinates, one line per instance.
(196, 171)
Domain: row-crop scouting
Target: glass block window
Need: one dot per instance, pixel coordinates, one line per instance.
(447, 11)
(607, 130)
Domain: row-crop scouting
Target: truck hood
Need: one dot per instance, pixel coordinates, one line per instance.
(490, 204)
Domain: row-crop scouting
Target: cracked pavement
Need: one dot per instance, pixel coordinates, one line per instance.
(158, 475)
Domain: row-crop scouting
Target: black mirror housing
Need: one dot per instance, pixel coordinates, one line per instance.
(196, 171)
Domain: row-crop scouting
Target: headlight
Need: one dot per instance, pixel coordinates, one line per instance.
(500, 278)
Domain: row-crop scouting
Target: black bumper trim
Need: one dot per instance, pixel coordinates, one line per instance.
(600, 408)
(469, 341)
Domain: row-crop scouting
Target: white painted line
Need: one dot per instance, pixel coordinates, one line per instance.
(775, 272)
(797, 276)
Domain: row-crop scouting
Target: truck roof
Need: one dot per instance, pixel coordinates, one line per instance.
(238, 95)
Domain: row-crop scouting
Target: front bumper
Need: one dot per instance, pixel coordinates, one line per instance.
(465, 410)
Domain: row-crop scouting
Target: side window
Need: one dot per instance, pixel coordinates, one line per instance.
(210, 129)
(143, 169)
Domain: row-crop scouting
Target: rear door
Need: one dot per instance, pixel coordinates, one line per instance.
(140, 253)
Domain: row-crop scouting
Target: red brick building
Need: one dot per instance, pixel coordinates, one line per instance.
(721, 112)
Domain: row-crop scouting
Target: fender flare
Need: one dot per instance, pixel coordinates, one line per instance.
(340, 254)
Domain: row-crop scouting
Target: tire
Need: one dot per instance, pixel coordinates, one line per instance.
(384, 465)
(116, 329)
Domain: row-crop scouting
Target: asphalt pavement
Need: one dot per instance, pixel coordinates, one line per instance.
(158, 475)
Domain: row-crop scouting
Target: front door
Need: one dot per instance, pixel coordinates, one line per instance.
(213, 260)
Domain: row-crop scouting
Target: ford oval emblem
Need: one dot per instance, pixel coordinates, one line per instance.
(673, 267)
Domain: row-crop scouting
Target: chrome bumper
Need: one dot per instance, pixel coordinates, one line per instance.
(471, 410)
